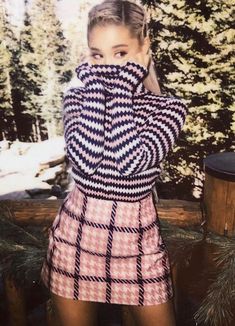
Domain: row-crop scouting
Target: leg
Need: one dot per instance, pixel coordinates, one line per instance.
(74, 312)
(155, 315)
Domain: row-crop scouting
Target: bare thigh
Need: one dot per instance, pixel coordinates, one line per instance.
(156, 315)
(71, 312)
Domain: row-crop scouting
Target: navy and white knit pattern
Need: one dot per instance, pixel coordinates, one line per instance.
(117, 132)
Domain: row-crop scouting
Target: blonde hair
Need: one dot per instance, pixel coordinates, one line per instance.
(128, 13)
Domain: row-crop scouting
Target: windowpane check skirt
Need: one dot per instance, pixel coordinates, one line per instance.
(107, 251)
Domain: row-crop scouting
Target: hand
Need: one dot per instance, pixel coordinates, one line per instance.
(134, 70)
(84, 73)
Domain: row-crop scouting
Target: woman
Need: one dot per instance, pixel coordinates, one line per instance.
(105, 242)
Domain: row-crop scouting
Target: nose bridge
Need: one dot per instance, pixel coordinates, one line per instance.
(107, 59)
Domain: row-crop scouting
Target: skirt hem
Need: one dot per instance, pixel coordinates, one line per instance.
(81, 298)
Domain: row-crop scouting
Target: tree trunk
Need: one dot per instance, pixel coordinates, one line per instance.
(38, 130)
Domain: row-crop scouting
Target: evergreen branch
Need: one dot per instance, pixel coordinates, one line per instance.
(217, 306)
(21, 263)
(21, 252)
(25, 268)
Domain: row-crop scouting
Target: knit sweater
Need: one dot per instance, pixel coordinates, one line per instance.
(117, 132)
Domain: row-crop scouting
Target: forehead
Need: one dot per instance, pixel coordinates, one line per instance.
(109, 36)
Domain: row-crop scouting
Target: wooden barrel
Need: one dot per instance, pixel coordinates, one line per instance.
(219, 192)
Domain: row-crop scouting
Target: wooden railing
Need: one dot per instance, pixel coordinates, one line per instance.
(41, 211)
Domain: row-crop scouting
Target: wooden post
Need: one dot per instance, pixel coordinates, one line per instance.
(15, 303)
(219, 193)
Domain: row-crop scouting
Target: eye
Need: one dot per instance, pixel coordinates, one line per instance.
(94, 55)
(123, 53)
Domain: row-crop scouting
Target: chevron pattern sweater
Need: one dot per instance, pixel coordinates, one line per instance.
(117, 132)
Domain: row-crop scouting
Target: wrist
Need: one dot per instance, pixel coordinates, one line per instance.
(131, 75)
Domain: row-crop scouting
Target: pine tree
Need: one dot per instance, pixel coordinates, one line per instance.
(7, 124)
(28, 72)
(76, 33)
(192, 43)
(21, 85)
(47, 61)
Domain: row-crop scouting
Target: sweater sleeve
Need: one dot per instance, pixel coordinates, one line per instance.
(138, 151)
(83, 121)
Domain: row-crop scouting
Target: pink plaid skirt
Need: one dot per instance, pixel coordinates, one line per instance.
(107, 251)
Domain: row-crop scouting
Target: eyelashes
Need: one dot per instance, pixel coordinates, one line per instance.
(123, 54)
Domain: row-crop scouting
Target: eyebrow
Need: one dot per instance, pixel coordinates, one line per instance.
(113, 47)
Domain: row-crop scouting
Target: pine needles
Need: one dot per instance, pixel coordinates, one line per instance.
(218, 305)
(21, 251)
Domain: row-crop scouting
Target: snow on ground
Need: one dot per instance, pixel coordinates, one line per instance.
(20, 163)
